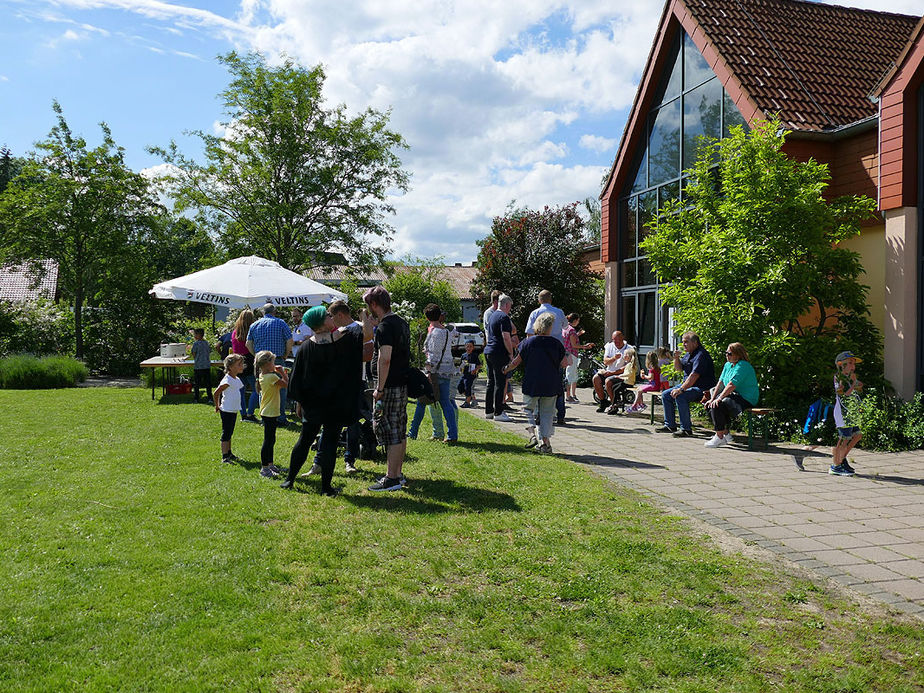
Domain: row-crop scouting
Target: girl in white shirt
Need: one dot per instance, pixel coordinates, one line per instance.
(228, 403)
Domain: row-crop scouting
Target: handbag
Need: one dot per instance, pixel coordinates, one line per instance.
(419, 386)
(433, 377)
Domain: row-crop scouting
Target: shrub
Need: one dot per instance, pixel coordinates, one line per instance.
(40, 328)
(887, 422)
(25, 372)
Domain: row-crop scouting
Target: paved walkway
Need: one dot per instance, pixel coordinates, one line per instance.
(865, 532)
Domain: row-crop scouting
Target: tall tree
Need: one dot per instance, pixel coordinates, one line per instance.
(10, 167)
(290, 178)
(81, 207)
(528, 251)
(751, 255)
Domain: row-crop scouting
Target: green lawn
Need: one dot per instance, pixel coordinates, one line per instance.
(132, 559)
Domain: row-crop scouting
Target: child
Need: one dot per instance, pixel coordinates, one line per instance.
(471, 365)
(653, 376)
(848, 435)
(229, 403)
(272, 379)
(625, 380)
(202, 364)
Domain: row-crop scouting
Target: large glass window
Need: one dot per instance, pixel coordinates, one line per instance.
(691, 104)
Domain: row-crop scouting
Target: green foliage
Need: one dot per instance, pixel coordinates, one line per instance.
(39, 328)
(417, 281)
(751, 256)
(10, 167)
(350, 286)
(888, 422)
(290, 178)
(82, 207)
(23, 372)
(529, 251)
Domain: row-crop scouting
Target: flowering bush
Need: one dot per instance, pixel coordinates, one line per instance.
(39, 328)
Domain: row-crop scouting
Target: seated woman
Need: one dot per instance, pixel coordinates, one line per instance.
(736, 391)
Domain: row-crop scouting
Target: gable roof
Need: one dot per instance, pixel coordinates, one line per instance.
(814, 64)
(18, 283)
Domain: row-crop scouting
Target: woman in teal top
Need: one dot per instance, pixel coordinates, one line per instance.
(736, 391)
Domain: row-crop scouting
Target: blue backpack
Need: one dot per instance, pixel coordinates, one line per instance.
(819, 411)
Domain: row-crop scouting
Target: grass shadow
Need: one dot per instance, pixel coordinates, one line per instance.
(436, 496)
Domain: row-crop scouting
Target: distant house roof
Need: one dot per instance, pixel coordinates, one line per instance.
(460, 277)
(814, 64)
(18, 282)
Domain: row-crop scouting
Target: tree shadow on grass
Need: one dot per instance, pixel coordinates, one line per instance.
(436, 496)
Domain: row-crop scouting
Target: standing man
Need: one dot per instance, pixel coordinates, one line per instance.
(300, 332)
(491, 309)
(393, 349)
(270, 333)
(698, 378)
(498, 352)
(613, 364)
(561, 322)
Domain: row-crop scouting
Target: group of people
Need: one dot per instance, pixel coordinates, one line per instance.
(327, 382)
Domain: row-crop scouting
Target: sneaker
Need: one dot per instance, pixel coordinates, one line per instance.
(451, 441)
(604, 403)
(287, 484)
(332, 492)
(234, 458)
(268, 473)
(612, 409)
(277, 469)
(544, 449)
(436, 437)
(533, 442)
(350, 468)
(840, 470)
(665, 429)
(560, 421)
(571, 400)
(386, 484)
(683, 433)
(315, 469)
(716, 441)
(502, 417)
(489, 416)
(227, 460)
(846, 465)
(641, 406)
(464, 405)
(631, 409)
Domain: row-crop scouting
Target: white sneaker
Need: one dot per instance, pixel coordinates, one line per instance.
(716, 441)
(489, 416)
(502, 417)
(315, 469)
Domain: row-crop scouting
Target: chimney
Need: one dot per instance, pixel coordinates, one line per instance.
(458, 264)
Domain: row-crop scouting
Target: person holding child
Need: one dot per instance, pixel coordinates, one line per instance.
(735, 392)
(272, 380)
(228, 403)
(846, 385)
(653, 362)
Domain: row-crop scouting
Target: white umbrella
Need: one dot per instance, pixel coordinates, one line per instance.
(247, 281)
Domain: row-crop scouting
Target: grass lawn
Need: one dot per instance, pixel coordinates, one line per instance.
(132, 559)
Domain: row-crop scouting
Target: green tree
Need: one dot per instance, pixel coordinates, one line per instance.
(290, 178)
(81, 207)
(751, 255)
(528, 251)
(10, 167)
(418, 281)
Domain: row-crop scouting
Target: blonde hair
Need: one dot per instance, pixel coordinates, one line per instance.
(544, 323)
(663, 352)
(230, 360)
(264, 357)
(651, 360)
(631, 358)
(737, 349)
(243, 323)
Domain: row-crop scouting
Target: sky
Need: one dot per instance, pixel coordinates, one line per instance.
(522, 100)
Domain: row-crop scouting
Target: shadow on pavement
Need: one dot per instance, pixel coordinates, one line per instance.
(612, 462)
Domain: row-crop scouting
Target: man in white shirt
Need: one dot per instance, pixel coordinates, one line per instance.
(613, 365)
(491, 309)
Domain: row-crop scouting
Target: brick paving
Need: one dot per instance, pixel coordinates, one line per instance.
(865, 532)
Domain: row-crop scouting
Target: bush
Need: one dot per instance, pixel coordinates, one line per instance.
(25, 372)
(888, 422)
(37, 328)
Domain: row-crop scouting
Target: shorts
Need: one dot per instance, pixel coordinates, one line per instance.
(390, 419)
(572, 374)
(848, 432)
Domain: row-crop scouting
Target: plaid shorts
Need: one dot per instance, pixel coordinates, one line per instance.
(390, 420)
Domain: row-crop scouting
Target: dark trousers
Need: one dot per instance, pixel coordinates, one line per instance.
(497, 382)
(269, 440)
(354, 434)
(728, 410)
(327, 450)
(228, 419)
(202, 377)
(560, 400)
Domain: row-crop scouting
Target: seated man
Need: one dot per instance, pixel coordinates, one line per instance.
(613, 365)
(698, 378)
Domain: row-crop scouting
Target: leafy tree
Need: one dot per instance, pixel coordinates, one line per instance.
(751, 255)
(592, 227)
(528, 251)
(291, 178)
(10, 167)
(418, 281)
(81, 207)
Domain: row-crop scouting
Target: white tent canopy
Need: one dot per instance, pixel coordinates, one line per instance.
(247, 281)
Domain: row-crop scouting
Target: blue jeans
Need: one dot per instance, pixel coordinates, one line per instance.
(539, 412)
(448, 407)
(249, 404)
(692, 394)
(435, 416)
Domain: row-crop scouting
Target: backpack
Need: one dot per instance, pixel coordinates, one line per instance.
(419, 386)
(819, 412)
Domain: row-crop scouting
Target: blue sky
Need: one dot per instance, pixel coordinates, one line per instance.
(525, 99)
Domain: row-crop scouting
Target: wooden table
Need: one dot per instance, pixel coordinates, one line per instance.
(170, 364)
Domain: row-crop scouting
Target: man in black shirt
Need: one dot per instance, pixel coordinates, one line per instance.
(393, 346)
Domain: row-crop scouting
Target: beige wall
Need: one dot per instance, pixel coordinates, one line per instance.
(901, 299)
(872, 248)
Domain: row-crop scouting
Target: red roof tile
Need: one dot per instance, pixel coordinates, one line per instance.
(814, 64)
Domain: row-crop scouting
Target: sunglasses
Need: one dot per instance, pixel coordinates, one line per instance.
(728, 353)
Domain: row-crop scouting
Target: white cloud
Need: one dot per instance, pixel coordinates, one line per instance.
(4, 78)
(595, 143)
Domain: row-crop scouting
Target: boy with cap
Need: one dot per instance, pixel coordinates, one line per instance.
(848, 435)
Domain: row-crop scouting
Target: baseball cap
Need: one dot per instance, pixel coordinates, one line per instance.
(844, 355)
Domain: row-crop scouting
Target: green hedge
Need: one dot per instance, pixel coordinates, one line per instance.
(32, 373)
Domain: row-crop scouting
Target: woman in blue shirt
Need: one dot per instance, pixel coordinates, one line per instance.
(736, 391)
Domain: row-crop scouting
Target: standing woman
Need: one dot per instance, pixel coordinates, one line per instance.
(572, 338)
(440, 367)
(736, 391)
(239, 346)
(326, 381)
(543, 357)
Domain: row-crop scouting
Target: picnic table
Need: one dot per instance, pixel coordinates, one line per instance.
(168, 367)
